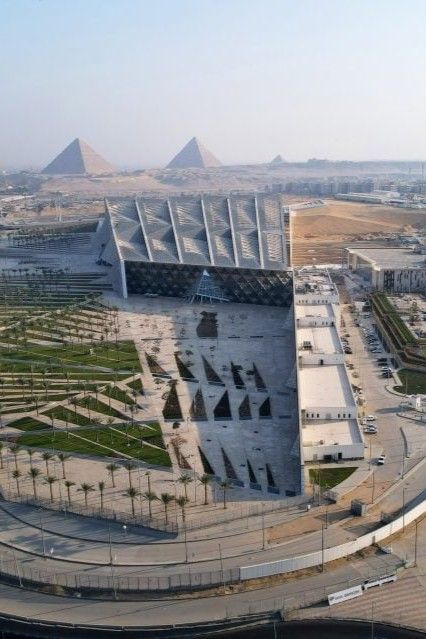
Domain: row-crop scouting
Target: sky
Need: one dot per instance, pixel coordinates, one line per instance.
(336, 79)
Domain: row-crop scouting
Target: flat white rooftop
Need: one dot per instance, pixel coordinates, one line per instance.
(314, 310)
(391, 258)
(325, 387)
(328, 433)
(323, 339)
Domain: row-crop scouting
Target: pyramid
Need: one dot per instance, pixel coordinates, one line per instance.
(278, 159)
(77, 159)
(193, 155)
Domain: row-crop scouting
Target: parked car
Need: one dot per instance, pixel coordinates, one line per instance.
(370, 431)
(381, 460)
(371, 418)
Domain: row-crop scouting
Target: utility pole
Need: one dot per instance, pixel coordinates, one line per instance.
(373, 486)
(322, 548)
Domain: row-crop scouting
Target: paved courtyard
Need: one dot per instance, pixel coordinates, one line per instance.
(248, 433)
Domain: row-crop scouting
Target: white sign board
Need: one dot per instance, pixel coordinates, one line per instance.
(344, 595)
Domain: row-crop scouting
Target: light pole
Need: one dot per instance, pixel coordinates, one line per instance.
(263, 529)
(403, 507)
(322, 548)
(221, 567)
(42, 534)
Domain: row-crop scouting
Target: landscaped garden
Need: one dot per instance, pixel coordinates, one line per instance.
(142, 442)
(330, 477)
(412, 382)
(61, 364)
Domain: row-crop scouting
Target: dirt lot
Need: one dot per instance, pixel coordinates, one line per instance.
(320, 234)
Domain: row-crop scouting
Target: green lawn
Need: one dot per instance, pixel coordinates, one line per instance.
(412, 382)
(116, 393)
(28, 424)
(92, 403)
(98, 438)
(65, 414)
(136, 385)
(330, 477)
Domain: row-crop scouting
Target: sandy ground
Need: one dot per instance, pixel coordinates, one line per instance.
(320, 234)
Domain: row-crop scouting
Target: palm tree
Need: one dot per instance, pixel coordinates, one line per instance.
(185, 479)
(63, 458)
(47, 457)
(34, 473)
(86, 489)
(111, 468)
(69, 484)
(14, 449)
(225, 485)
(148, 476)
(129, 466)
(132, 493)
(16, 475)
(30, 453)
(166, 498)
(1, 455)
(205, 480)
(181, 502)
(150, 497)
(50, 480)
(101, 487)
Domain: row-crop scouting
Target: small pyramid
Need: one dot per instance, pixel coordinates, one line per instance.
(193, 155)
(278, 159)
(78, 159)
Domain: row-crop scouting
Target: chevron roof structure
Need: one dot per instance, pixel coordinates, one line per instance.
(194, 155)
(243, 231)
(78, 159)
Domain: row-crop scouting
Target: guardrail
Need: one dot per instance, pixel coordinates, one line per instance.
(320, 557)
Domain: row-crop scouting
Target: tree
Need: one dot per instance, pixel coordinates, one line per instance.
(63, 458)
(166, 498)
(34, 473)
(185, 479)
(30, 453)
(16, 475)
(101, 487)
(15, 449)
(132, 493)
(46, 456)
(205, 480)
(150, 497)
(181, 502)
(129, 466)
(225, 485)
(86, 489)
(50, 480)
(111, 468)
(69, 484)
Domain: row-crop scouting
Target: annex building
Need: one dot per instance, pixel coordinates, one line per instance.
(392, 270)
(330, 430)
(213, 247)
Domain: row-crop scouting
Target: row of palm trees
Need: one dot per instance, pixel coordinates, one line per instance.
(131, 492)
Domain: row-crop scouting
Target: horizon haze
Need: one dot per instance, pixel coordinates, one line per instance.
(337, 80)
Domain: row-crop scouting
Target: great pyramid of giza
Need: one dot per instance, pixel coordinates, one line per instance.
(193, 155)
(78, 159)
(278, 159)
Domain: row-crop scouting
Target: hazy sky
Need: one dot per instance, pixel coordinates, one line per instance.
(251, 78)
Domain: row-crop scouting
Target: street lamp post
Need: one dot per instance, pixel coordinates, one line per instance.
(42, 534)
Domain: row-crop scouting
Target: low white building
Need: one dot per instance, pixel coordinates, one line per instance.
(393, 270)
(330, 428)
